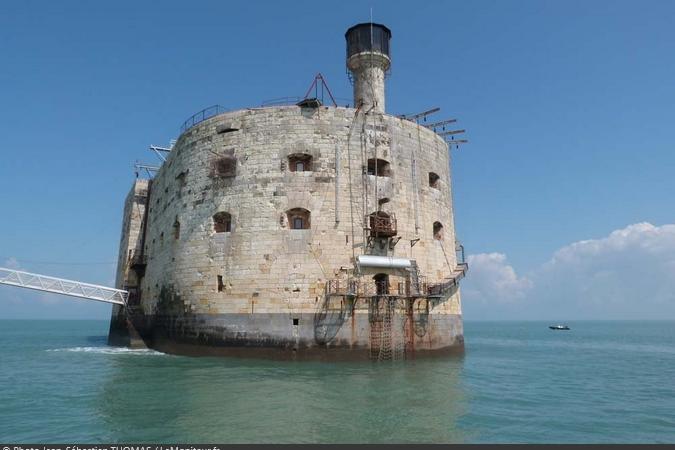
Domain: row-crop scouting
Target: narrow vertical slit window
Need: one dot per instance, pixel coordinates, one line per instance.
(176, 230)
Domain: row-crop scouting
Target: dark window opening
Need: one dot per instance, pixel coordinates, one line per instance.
(222, 129)
(181, 177)
(381, 284)
(176, 229)
(220, 283)
(226, 166)
(300, 162)
(222, 222)
(433, 180)
(296, 321)
(379, 167)
(438, 231)
(299, 219)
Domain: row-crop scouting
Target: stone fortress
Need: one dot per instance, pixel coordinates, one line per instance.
(297, 231)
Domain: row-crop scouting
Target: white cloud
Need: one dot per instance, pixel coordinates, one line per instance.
(492, 279)
(629, 274)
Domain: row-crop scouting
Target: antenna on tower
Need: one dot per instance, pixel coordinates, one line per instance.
(319, 79)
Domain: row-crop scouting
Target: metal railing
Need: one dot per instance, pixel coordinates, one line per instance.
(201, 116)
(342, 287)
(459, 253)
(382, 225)
(362, 288)
(54, 285)
(442, 288)
(281, 101)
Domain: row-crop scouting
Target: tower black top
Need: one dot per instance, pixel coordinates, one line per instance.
(359, 39)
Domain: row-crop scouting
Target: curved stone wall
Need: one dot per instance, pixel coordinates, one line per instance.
(261, 284)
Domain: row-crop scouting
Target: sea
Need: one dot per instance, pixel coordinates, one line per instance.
(519, 382)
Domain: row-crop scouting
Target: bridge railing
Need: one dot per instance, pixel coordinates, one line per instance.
(54, 285)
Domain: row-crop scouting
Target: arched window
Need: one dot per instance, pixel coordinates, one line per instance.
(222, 222)
(300, 162)
(438, 231)
(299, 219)
(433, 180)
(379, 167)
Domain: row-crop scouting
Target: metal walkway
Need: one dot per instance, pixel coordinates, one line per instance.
(62, 286)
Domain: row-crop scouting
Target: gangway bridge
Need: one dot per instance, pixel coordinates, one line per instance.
(62, 286)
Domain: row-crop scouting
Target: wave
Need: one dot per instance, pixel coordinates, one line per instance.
(110, 351)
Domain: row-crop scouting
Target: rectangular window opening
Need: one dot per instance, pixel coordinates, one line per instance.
(220, 283)
(296, 321)
(223, 130)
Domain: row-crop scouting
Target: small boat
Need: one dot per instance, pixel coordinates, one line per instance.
(559, 327)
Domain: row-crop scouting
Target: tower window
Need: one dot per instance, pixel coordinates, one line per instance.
(299, 219)
(176, 230)
(222, 222)
(433, 180)
(220, 283)
(379, 167)
(300, 162)
(381, 283)
(222, 129)
(438, 231)
(225, 167)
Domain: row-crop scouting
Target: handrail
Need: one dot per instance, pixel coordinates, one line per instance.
(201, 116)
(62, 286)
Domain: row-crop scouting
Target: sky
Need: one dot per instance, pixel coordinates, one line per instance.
(563, 197)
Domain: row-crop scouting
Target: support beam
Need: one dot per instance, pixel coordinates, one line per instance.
(442, 123)
(160, 151)
(448, 133)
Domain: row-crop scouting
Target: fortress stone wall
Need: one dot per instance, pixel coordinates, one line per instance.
(298, 231)
(262, 284)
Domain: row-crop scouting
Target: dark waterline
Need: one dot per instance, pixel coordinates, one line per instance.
(518, 382)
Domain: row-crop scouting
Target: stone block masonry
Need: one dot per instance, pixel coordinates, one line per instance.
(259, 286)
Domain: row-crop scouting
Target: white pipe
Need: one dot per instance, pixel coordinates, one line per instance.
(384, 262)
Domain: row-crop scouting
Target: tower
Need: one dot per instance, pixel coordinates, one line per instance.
(368, 60)
(298, 230)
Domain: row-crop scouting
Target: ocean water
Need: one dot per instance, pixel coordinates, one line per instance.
(518, 382)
